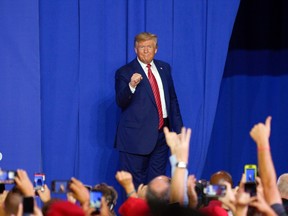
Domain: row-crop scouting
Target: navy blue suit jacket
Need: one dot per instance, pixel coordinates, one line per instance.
(137, 130)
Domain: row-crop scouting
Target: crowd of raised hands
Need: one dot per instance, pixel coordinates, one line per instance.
(175, 195)
(238, 200)
(13, 202)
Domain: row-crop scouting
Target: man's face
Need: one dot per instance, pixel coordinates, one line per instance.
(146, 50)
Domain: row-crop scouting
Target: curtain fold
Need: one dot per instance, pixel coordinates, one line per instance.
(59, 54)
(199, 55)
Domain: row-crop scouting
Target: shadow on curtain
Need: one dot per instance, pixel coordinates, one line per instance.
(254, 86)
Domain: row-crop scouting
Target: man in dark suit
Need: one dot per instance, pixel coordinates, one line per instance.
(146, 95)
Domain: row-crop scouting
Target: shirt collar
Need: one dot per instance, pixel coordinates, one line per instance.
(143, 65)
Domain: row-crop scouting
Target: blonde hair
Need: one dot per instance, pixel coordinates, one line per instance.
(144, 36)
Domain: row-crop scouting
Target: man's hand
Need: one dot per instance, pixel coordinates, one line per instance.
(260, 203)
(191, 192)
(135, 80)
(141, 191)
(242, 201)
(229, 199)
(45, 195)
(182, 149)
(24, 184)
(125, 179)
(80, 192)
(260, 133)
(3, 197)
(172, 139)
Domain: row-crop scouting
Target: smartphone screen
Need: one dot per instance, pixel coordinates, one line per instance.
(250, 175)
(60, 186)
(95, 200)
(215, 190)
(39, 181)
(7, 177)
(250, 172)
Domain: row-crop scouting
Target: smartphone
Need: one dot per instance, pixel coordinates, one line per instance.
(39, 181)
(251, 188)
(2, 188)
(7, 177)
(95, 200)
(250, 172)
(215, 190)
(60, 186)
(28, 205)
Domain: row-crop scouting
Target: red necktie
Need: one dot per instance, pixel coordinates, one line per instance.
(156, 93)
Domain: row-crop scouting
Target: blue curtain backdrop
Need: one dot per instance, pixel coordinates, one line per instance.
(254, 86)
(20, 122)
(82, 43)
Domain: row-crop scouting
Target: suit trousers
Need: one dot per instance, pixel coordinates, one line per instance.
(146, 167)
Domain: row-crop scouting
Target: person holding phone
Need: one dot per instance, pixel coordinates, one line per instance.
(108, 199)
(260, 133)
(214, 206)
(20, 199)
(89, 200)
(146, 95)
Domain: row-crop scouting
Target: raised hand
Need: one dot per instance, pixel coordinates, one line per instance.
(126, 181)
(260, 133)
(45, 195)
(135, 80)
(182, 148)
(172, 139)
(24, 184)
(80, 192)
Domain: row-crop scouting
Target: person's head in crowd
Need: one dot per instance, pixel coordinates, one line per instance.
(12, 201)
(134, 206)
(63, 208)
(158, 193)
(47, 205)
(282, 184)
(110, 196)
(213, 205)
(221, 176)
(159, 189)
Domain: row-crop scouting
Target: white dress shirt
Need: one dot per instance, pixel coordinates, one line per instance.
(159, 83)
